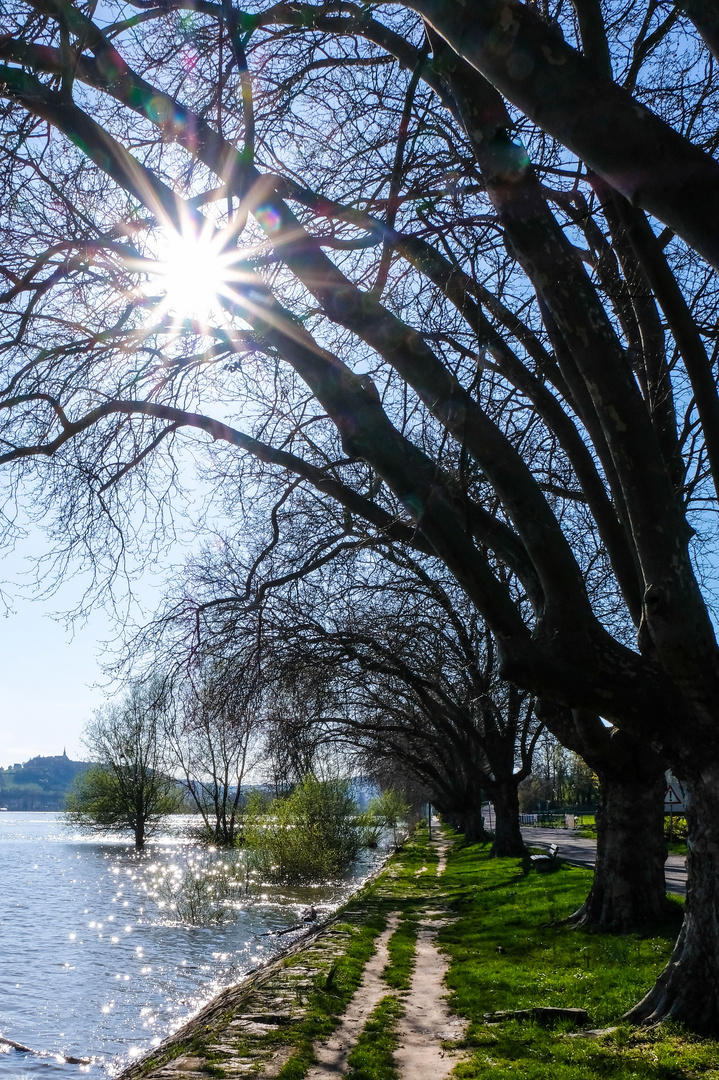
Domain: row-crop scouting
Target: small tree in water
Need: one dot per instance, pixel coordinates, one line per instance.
(125, 789)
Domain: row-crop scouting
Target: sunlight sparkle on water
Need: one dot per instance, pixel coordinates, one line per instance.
(158, 969)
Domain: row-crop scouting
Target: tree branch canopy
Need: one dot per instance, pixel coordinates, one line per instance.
(634, 150)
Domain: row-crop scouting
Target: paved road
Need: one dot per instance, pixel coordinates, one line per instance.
(578, 849)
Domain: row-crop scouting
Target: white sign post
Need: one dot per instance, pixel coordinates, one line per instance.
(671, 797)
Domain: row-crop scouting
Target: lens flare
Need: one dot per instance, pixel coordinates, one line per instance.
(192, 273)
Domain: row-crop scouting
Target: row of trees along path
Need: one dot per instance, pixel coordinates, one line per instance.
(465, 303)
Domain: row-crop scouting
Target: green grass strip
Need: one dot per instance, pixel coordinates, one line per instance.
(401, 947)
(373, 1056)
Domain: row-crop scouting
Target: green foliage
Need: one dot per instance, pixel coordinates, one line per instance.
(41, 784)
(99, 801)
(559, 778)
(386, 812)
(310, 835)
(372, 1057)
(201, 892)
(676, 829)
(128, 788)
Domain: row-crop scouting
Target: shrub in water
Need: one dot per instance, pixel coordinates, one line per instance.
(311, 835)
(386, 814)
(201, 892)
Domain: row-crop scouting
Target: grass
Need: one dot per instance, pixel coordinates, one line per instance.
(509, 950)
(586, 827)
(373, 1055)
(401, 948)
(330, 995)
(401, 886)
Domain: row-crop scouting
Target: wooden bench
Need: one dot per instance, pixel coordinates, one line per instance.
(543, 862)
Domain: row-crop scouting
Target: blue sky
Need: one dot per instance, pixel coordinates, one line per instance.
(51, 678)
(47, 678)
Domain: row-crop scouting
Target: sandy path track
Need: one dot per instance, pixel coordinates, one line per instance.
(332, 1055)
(427, 1019)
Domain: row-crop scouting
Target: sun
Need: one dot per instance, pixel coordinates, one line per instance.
(194, 274)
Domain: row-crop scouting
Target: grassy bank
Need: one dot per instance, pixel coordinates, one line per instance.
(271, 1021)
(509, 951)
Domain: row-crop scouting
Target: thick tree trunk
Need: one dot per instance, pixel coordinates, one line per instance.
(507, 833)
(687, 991)
(471, 822)
(463, 803)
(629, 889)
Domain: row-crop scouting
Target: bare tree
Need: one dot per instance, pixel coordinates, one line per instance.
(212, 738)
(460, 239)
(398, 667)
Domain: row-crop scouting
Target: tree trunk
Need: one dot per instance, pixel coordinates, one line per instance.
(139, 834)
(629, 890)
(687, 991)
(463, 809)
(507, 833)
(471, 823)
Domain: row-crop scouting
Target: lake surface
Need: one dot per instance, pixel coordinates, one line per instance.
(92, 967)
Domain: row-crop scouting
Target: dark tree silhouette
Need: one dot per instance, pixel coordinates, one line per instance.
(467, 295)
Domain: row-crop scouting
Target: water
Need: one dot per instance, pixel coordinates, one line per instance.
(91, 967)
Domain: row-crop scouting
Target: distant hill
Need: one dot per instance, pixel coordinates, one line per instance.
(40, 783)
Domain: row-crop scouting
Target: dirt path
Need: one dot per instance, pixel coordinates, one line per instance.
(231, 1032)
(332, 1055)
(426, 1021)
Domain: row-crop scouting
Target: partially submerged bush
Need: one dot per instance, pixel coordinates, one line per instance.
(201, 891)
(386, 814)
(310, 835)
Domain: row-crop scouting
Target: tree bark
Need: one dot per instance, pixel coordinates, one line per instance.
(632, 148)
(629, 890)
(687, 991)
(465, 813)
(471, 824)
(507, 833)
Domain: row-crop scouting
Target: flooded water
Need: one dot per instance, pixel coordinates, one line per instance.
(92, 967)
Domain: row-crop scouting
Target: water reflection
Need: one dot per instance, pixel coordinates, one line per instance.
(92, 966)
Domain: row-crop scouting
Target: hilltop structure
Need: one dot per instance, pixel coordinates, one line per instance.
(40, 783)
